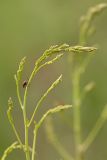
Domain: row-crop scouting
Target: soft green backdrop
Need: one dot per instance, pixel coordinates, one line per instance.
(29, 27)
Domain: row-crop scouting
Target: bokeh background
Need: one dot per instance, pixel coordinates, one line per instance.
(27, 28)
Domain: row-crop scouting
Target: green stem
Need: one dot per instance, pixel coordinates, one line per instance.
(18, 94)
(26, 135)
(27, 152)
(17, 135)
(54, 84)
(26, 127)
(10, 149)
(76, 109)
(26, 143)
(54, 140)
(34, 142)
(92, 135)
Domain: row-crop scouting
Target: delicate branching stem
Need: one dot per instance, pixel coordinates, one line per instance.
(17, 135)
(76, 111)
(10, 149)
(27, 143)
(54, 140)
(35, 70)
(52, 111)
(86, 30)
(26, 127)
(17, 77)
(88, 88)
(34, 143)
(10, 117)
(79, 68)
(39, 64)
(50, 61)
(92, 135)
(18, 95)
(86, 25)
(86, 22)
(26, 135)
(54, 84)
(38, 125)
(18, 92)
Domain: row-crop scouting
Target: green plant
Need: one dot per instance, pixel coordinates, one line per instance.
(79, 65)
(30, 152)
(81, 55)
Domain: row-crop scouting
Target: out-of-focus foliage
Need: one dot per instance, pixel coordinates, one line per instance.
(27, 28)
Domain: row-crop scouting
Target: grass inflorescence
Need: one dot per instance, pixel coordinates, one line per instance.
(81, 54)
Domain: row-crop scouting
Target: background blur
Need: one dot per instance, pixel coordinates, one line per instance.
(27, 28)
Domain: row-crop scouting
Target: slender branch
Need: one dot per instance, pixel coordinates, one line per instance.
(9, 114)
(17, 78)
(52, 111)
(54, 84)
(34, 142)
(55, 141)
(86, 22)
(26, 135)
(38, 125)
(76, 111)
(35, 70)
(94, 132)
(38, 64)
(23, 107)
(26, 127)
(18, 93)
(12, 147)
(17, 135)
(86, 30)
(88, 88)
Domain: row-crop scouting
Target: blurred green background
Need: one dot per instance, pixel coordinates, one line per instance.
(27, 28)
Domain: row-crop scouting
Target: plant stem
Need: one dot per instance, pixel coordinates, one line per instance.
(76, 110)
(54, 140)
(17, 135)
(26, 135)
(34, 142)
(54, 84)
(92, 135)
(18, 94)
(26, 143)
(26, 126)
(9, 150)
